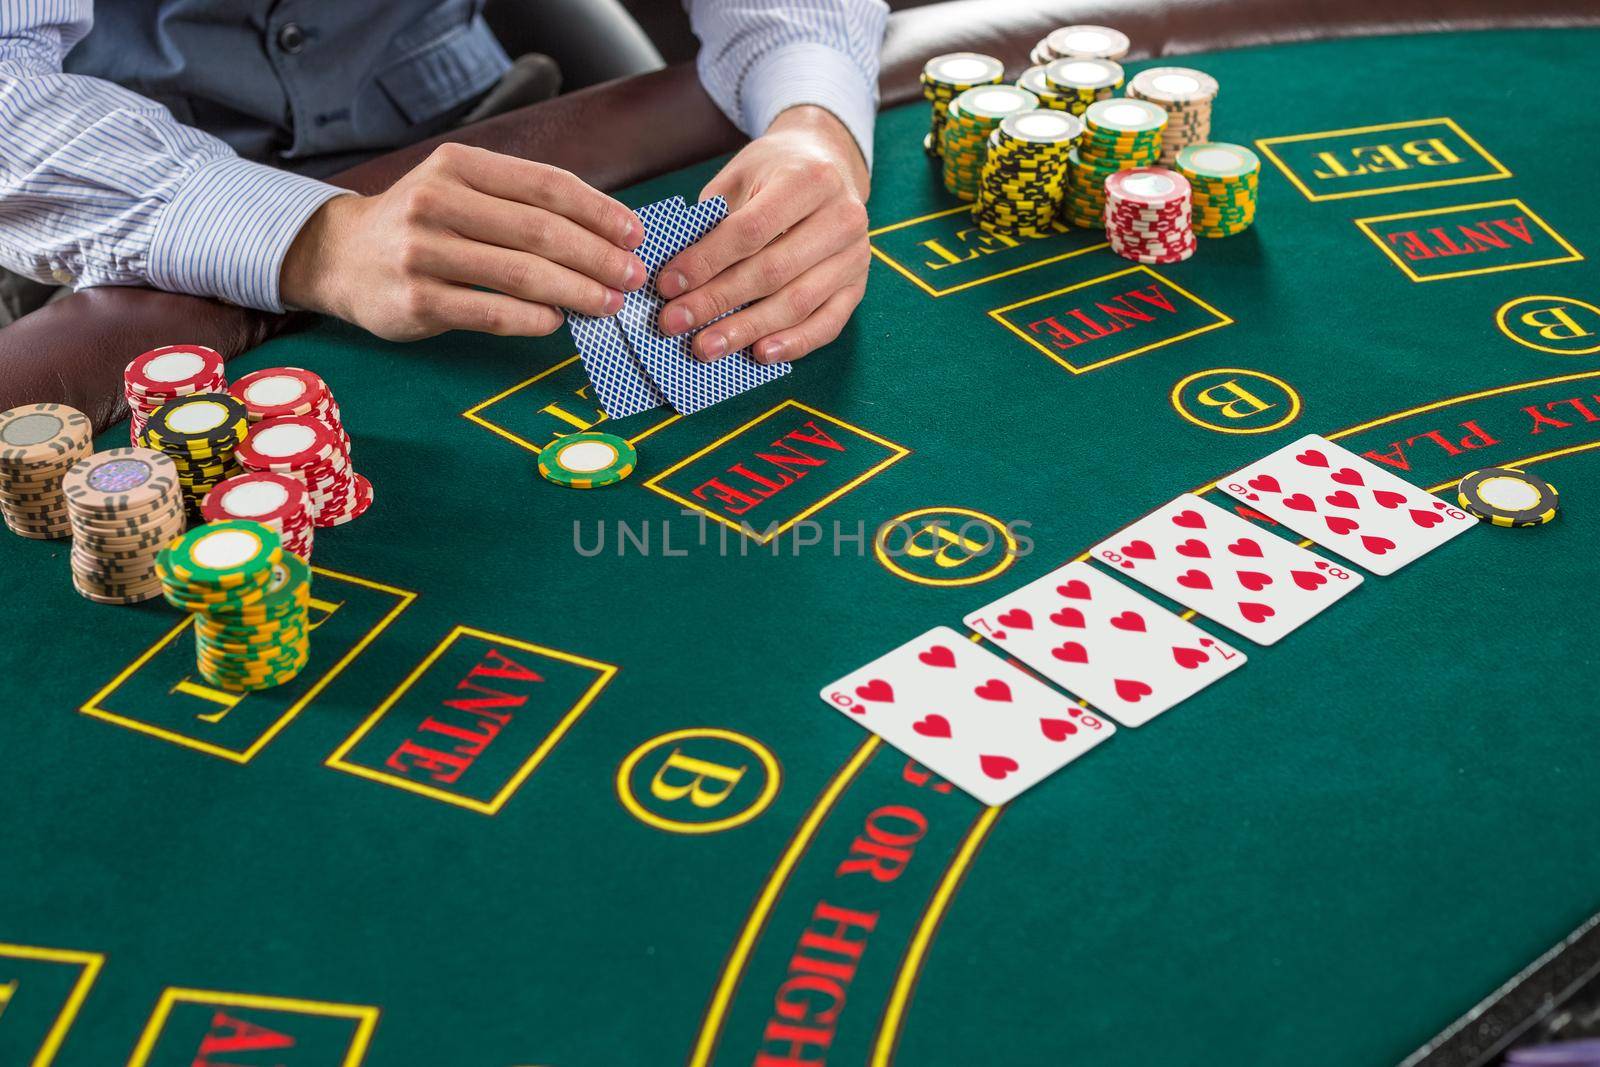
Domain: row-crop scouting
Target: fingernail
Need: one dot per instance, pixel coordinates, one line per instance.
(769, 351)
(676, 320)
(713, 345)
(614, 302)
(636, 274)
(634, 236)
(672, 283)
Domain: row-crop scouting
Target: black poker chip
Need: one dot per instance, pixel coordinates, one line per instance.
(1507, 496)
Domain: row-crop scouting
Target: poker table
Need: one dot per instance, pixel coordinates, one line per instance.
(557, 787)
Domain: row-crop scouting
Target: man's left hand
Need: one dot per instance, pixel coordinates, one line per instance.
(793, 247)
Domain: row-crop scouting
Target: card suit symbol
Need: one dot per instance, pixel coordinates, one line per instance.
(1440, 504)
(1077, 589)
(1266, 483)
(1132, 691)
(1190, 519)
(932, 726)
(1308, 580)
(997, 766)
(1131, 621)
(938, 656)
(1425, 519)
(1074, 711)
(1068, 617)
(1070, 652)
(1312, 458)
(1194, 579)
(1376, 545)
(1344, 498)
(877, 689)
(857, 709)
(1339, 524)
(998, 635)
(1300, 502)
(1245, 547)
(1254, 581)
(1387, 498)
(1188, 658)
(1323, 564)
(994, 689)
(1254, 612)
(1347, 476)
(1207, 641)
(1252, 496)
(1139, 550)
(1194, 548)
(1057, 729)
(1126, 565)
(1017, 619)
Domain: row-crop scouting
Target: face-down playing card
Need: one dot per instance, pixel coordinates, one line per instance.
(967, 715)
(1253, 582)
(619, 382)
(1120, 651)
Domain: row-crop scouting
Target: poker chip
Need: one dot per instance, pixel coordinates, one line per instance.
(1094, 42)
(1020, 182)
(1186, 95)
(1507, 496)
(39, 443)
(587, 460)
(1223, 179)
(309, 451)
(971, 118)
(340, 494)
(1081, 81)
(163, 374)
(124, 506)
(948, 76)
(277, 501)
(1119, 134)
(199, 432)
(1148, 215)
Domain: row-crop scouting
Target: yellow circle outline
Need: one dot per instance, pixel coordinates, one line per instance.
(671, 826)
(1500, 322)
(1294, 400)
(1007, 558)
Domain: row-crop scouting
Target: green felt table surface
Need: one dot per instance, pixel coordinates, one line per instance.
(1321, 860)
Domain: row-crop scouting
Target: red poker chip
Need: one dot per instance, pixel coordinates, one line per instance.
(267, 497)
(359, 501)
(282, 392)
(1150, 186)
(286, 445)
(174, 370)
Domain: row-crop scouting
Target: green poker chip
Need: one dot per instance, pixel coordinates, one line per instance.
(587, 460)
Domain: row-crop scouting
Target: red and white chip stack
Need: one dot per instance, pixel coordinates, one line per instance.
(164, 374)
(277, 501)
(288, 400)
(1148, 215)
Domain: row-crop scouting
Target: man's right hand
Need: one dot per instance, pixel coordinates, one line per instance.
(407, 263)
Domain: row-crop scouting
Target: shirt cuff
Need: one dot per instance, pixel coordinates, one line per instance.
(228, 228)
(809, 73)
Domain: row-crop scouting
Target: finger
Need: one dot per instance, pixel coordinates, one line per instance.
(829, 230)
(787, 307)
(542, 185)
(822, 328)
(518, 274)
(453, 307)
(741, 235)
(493, 221)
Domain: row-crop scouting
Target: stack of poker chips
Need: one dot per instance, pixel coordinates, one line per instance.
(948, 76)
(200, 433)
(125, 506)
(278, 392)
(1147, 215)
(307, 450)
(1224, 179)
(1119, 134)
(39, 443)
(1033, 80)
(972, 117)
(1080, 82)
(249, 599)
(1185, 95)
(1020, 183)
(1092, 42)
(165, 374)
(280, 503)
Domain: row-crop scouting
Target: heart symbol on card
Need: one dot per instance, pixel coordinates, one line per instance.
(1194, 548)
(1070, 617)
(1139, 550)
(1188, 658)
(1245, 547)
(1254, 612)
(1340, 525)
(1074, 590)
(1254, 581)
(938, 656)
(1070, 652)
(857, 709)
(1308, 580)
(1344, 498)
(1266, 483)
(994, 689)
(1312, 458)
(997, 766)
(1426, 519)
(932, 726)
(1189, 519)
(877, 689)
(1017, 619)
(1300, 502)
(1347, 476)
(1194, 579)
(1387, 498)
(1132, 691)
(1131, 621)
(1376, 545)
(1057, 729)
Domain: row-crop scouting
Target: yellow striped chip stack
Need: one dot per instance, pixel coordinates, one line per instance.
(1224, 180)
(972, 117)
(1185, 94)
(948, 76)
(200, 433)
(39, 443)
(1119, 134)
(1080, 82)
(1020, 184)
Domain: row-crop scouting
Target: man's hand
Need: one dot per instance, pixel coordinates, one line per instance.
(794, 245)
(406, 263)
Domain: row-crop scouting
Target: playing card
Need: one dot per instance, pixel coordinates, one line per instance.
(1347, 504)
(1253, 582)
(1122, 652)
(967, 715)
(619, 383)
(687, 383)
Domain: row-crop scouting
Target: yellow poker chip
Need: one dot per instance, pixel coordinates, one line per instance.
(587, 460)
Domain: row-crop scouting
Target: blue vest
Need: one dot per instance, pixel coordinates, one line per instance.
(285, 81)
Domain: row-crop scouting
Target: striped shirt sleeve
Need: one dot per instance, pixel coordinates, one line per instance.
(759, 57)
(100, 186)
